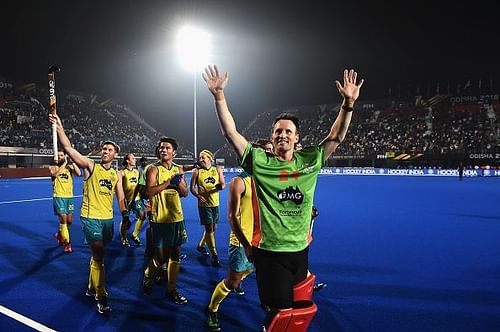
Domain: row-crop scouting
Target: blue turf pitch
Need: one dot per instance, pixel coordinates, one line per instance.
(397, 253)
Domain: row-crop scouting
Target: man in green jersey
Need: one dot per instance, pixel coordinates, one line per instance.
(285, 182)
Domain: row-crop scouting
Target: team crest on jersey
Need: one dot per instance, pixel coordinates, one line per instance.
(210, 179)
(106, 183)
(291, 194)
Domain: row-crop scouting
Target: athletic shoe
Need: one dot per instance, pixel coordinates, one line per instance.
(147, 285)
(102, 305)
(216, 261)
(136, 240)
(212, 320)
(125, 243)
(240, 291)
(202, 250)
(176, 297)
(67, 248)
(319, 286)
(59, 238)
(90, 293)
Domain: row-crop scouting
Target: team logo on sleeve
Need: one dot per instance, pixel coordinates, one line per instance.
(106, 183)
(291, 194)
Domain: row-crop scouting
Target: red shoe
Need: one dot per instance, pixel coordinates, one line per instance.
(59, 238)
(68, 249)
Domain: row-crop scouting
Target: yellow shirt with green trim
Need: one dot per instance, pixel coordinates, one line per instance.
(62, 184)
(166, 205)
(98, 190)
(247, 212)
(207, 181)
(130, 180)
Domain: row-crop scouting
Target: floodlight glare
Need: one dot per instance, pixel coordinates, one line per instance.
(193, 46)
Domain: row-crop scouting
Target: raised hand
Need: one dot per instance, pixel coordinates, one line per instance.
(215, 82)
(54, 118)
(349, 90)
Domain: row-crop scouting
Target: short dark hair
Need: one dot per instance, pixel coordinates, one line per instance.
(288, 116)
(165, 139)
(116, 146)
(143, 159)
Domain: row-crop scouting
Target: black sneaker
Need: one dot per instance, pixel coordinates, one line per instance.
(202, 250)
(240, 291)
(136, 240)
(147, 285)
(102, 305)
(216, 261)
(319, 286)
(212, 320)
(176, 297)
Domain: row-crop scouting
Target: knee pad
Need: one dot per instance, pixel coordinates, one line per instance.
(295, 320)
(303, 290)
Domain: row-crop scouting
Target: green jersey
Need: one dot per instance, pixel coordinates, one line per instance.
(285, 192)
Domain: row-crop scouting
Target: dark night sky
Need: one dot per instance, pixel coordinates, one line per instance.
(277, 53)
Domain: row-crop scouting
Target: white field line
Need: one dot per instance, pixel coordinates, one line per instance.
(25, 320)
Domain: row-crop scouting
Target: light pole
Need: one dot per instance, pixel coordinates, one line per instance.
(193, 46)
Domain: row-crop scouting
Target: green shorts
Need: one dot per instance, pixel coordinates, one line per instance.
(168, 235)
(63, 205)
(208, 215)
(97, 229)
(238, 261)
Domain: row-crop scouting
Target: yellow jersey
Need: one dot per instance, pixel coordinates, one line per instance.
(98, 189)
(207, 180)
(248, 210)
(166, 205)
(130, 180)
(62, 185)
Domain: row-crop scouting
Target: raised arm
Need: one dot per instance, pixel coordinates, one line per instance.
(75, 169)
(350, 92)
(80, 160)
(56, 170)
(216, 85)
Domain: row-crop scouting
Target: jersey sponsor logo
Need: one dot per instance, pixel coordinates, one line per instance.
(291, 194)
(106, 183)
(64, 176)
(133, 180)
(290, 213)
(210, 179)
(307, 169)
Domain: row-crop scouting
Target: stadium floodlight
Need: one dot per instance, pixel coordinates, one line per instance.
(193, 46)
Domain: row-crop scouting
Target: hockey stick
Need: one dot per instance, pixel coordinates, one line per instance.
(52, 104)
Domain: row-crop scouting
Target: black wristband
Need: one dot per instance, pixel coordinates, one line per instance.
(347, 109)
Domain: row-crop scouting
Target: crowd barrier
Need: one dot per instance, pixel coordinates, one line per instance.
(394, 172)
